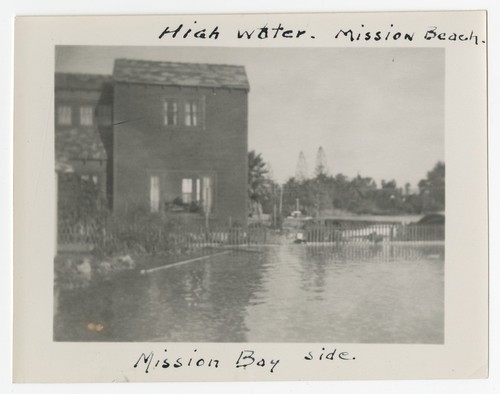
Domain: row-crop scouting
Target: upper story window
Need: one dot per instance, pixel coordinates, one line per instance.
(191, 113)
(64, 115)
(170, 114)
(86, 115)
(183, 113)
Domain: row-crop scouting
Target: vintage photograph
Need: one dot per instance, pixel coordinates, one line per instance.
(232, 194)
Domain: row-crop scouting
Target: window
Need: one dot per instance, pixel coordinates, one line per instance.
(198, 190)
(87, 178)
(64, 115)
(187, 190)
(104, 116)
(86, 116)
(191, 113)
(180, 113)
(207, 194)
(154, 193)
(170, 113)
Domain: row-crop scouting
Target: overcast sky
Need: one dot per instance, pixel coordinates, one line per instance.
(378, 112)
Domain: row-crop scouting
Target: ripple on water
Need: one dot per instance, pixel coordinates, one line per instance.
(292, 293)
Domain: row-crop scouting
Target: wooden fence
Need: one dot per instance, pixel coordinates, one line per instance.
(154, 238)
(111, 237)
(373, 233)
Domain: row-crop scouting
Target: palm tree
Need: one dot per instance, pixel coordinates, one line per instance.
(257, 178)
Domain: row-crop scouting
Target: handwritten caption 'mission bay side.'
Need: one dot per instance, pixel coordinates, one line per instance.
(244, 359)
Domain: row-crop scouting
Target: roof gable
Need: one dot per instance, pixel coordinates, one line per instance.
(180, 74)
(79, 81)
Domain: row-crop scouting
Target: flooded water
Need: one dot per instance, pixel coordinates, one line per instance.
(289, 293)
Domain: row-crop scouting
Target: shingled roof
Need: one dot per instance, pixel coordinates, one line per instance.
(81, 81)
(180, 74)
(79, 144)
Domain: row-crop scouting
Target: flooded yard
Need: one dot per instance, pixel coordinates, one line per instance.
(358, 293)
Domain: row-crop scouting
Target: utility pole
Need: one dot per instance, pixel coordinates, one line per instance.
(281, 200)
(296, 204)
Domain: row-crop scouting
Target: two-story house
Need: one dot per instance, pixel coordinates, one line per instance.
(83, 134)
(172, 137)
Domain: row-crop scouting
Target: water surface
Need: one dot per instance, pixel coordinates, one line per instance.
(287, 293)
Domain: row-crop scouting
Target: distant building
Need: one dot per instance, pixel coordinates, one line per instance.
(168, 138)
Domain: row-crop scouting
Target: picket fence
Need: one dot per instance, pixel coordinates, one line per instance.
(157, 238)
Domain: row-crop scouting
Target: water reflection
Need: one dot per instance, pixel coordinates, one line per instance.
(289, 293)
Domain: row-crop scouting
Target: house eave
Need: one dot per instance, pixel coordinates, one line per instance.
(199, 86)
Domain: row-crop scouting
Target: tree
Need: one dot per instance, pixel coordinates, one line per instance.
(432, 189)
(324, 194)
(301, 171)
(321, 163)
(322, 190)
(363, 195)
(257, 180)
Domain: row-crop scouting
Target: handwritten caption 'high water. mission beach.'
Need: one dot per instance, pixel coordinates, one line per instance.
(361, 33)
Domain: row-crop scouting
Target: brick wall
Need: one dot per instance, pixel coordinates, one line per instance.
(143, 144)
